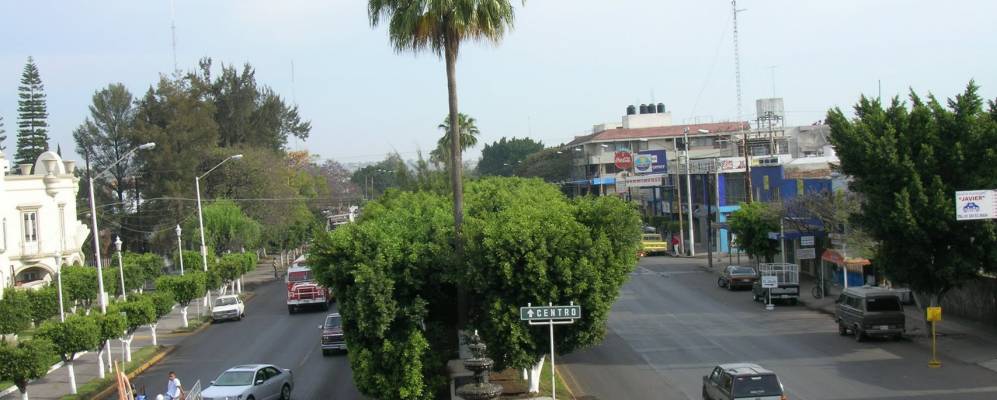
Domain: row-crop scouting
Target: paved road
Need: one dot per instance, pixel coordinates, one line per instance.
(268, 334)
(671, 324)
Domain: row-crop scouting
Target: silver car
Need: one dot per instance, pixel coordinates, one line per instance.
(251, 382)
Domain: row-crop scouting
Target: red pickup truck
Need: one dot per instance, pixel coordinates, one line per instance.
(304, 291)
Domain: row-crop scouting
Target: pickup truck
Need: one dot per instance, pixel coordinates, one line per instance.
(304, 291)
(651, 243)
(787, 276)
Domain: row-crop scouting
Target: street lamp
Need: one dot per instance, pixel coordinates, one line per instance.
(179, 249)
(688, 184)
(121, 268)
(200, 218)
(96, 234)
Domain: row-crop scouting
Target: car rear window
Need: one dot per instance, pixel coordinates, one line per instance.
(743, 271)
(761, 385)
(886, 303)
(654, 237)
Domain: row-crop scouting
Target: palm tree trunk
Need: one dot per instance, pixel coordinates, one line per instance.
(455, 171)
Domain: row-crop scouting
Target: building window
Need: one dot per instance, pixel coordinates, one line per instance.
(30, 226)
(700, 142)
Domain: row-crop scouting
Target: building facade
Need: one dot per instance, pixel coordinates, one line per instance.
(39, 229)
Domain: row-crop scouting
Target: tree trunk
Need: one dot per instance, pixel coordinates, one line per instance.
(110, 357)
(72, 376)
(183, 315)
(24, 393)
(128, 347)
(455, 174)
(152, 331)
(100, 362)
(534, 380)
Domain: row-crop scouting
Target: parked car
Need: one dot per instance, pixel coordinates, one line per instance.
(228, 307)
(332, 334)
(867, 311)
(742, 381)
(737, 276)
(251, 382)
(787, 277)
(653, 243)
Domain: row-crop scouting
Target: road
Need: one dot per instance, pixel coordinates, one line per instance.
(268, 334)
(672, 324)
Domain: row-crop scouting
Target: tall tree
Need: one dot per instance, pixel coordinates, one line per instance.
(552, 165)
(468, 138)
(500, 158)
(908, 162)
(441, 26)
(32, 112)
(107, 135)
(3, 136)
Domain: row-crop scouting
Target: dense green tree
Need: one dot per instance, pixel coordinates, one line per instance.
(44, 303)
(468, 138)
(908, 162)
(375, 179)
(751, 225)
(442, 26)
(226, 227)
(551, 165)
(503, 156)
(106, 137)
(24, 362)
(163, 302)
(79, 285)
(32, 115)
(77, 334)
(15, 312)
(139, 311)
(183, 289)
(109, 326)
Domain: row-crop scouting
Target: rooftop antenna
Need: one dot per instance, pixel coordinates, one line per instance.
(737, 59)
(173, 31)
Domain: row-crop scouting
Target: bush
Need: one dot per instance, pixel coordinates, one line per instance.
(15, 312)
(44, 303)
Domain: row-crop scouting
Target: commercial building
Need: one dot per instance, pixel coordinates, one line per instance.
(39, 230)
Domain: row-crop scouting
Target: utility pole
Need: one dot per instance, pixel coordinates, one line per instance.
(688, 184)
(737, 79)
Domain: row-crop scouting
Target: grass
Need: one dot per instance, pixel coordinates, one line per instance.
(515, 386)
(562, 389)
(193, 323)
(95, 386)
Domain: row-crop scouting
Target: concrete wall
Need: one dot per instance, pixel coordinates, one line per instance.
(976, 300)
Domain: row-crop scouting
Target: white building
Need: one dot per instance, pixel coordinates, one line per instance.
(38, 220)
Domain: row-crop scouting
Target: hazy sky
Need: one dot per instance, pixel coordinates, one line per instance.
(567, 65)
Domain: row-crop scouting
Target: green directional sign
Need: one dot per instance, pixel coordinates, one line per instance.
(549, 312)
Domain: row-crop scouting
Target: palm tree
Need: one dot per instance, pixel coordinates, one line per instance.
(441, 26)
(468, 138)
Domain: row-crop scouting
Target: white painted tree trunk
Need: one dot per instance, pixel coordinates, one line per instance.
(238, 285)
(128, 347)
(535, 375)
(72, 377)
(100, 362)
(183, 315)
(24, 394)
(152, 331)
(110, 358)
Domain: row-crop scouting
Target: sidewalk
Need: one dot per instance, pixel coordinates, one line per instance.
(55, 385)
(958, 338)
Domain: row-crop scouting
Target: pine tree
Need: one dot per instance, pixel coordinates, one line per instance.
(3, 137)
(32, 135)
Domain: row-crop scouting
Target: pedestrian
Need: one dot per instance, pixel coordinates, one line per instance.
(174, 391)
(275, 269)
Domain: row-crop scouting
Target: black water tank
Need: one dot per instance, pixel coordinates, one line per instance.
(643, 108)
(661, 107)
(631, 110)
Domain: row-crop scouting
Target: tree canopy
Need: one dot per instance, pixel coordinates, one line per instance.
(77, 334)
(908, 160)
(752, 224)
(26, 361)
(502, 157)
(32, 116)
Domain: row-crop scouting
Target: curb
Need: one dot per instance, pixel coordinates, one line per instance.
(557, 371)
(148, 364)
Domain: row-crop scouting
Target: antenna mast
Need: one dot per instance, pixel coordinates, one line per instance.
(173, 31)
(737, 60)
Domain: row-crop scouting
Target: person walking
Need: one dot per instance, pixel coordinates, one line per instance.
(174, 390)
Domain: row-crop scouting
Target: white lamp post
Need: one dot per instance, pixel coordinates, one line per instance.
(121, 268)
(179, 249)
(200, 218)
(96, 234)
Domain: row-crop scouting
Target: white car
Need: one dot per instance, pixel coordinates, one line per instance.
(251, 382)
(228, 307)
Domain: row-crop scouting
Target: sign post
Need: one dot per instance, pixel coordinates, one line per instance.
(769, 282)
(550, 315)
(934, 315)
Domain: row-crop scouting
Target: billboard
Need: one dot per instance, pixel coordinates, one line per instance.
(651, 162)
(975, 204)
(623, 160)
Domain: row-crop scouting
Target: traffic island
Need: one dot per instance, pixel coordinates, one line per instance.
(142, 359)
(515, 387)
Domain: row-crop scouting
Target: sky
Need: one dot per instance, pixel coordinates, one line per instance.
(566, 65)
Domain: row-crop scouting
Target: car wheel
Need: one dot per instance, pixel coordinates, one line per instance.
(325, 352)
(720, 282)
(859, 335)
(250, 398)
(705, 396)
(290, 309)
(842, 329)
(285, 392)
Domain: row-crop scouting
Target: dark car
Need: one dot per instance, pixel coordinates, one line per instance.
(736, 276)
(742, 381)
(332, 334)
(868, 311)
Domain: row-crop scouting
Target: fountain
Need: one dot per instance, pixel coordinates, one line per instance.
(479, 364)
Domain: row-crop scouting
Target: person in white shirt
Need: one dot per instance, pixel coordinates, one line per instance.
(174, 391)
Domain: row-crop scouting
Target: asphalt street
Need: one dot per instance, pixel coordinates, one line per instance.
(672, 324)
(268, 335)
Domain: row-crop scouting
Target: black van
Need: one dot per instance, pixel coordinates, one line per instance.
(868, 311)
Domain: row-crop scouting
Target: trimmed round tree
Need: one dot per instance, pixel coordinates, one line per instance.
(111, 325)
(44, 303)
(162, 302)
(183, 289)
(26, 361)
(15, 313)
(78, 334)
(139, 311)
(79, 285)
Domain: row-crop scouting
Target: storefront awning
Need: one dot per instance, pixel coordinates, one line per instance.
(833, 256)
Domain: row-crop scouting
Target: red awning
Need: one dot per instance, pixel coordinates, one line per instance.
(833, 256)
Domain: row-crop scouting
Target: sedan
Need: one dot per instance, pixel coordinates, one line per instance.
(251, 382)
(228, 307)
(736, 276)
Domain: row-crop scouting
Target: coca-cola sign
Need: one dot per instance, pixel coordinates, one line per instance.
(624, 160)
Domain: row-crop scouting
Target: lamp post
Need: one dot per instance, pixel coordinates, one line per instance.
(179, 249)
(121, 268)
(200, 219)
(96, 234)
(688, 184)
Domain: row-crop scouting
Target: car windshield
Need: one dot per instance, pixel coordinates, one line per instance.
(333, 322)
(235, 378)
(755, 386)
(225, 301)
(742, 271)
(886, 303)
(299, 276)
(652, 237)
